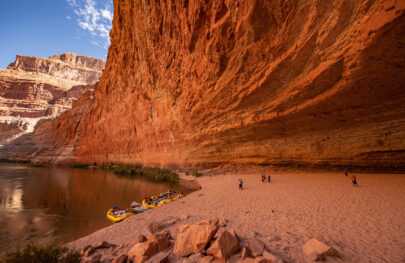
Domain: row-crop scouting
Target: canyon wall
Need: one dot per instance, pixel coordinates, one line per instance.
(265, 82)
(34, 88)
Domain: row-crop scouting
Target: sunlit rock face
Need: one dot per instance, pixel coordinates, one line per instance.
(34, 88)
(265, 82)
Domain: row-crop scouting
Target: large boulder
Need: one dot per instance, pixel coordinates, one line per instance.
(318, 250)
(192, 239)
(224, 246)
(256, 247)
(141, 252)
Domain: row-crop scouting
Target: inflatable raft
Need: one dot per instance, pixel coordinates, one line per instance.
(162, 199)
(116, 214)
(137, 208)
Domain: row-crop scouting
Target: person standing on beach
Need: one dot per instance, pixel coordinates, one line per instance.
(268, 178)
(240, 184)
(354, 181)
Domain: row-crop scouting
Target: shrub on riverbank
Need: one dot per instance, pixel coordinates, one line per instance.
(134, 170)
(196, 173)
(79, 165)
(14, 161)
(36, 164)
(51, 253)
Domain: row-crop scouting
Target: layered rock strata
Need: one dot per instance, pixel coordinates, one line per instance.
(33, 88)
(268, 82)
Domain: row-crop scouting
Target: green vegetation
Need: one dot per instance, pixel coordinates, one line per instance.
(14, 161)
(134, 170)
(34, 253)
(196, 173)
(79, 165)
(28, 162)
(36, 164)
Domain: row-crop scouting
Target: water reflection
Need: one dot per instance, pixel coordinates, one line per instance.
(61, 203)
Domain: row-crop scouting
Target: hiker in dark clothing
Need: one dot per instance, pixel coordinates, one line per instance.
(268, 178)
(263, 178)
(354, 181)
(240, 184)
(346, 173)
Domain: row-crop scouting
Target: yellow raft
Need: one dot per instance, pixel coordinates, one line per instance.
(162, 199)
(116, 215)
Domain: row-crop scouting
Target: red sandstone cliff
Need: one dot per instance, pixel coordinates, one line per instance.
(271, 82)
(33, 88)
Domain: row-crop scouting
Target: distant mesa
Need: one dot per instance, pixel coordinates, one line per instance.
(33, 88)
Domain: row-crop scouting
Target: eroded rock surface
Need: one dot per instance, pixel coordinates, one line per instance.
(34, 88)
(271, 82)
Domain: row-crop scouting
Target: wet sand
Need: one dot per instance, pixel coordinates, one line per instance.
(365, 224)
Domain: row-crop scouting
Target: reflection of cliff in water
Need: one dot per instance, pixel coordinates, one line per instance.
(62, 203)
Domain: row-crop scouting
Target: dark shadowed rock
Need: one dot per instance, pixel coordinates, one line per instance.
(103, 244)
(120, 259)
(155, 227)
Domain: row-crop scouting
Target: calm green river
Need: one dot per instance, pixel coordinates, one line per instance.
(63, 204)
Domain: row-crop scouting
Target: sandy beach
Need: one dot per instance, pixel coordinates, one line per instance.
(365, 224)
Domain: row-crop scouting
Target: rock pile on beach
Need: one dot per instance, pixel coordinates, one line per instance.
(205, 241)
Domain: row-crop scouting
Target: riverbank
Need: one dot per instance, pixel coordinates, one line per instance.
(365, 224)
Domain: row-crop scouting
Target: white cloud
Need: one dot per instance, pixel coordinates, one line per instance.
(107, 14)
(96, 20)
(95, 43)
(68, 17)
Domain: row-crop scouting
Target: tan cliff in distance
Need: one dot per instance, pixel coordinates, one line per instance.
(265, 82)
(33, 88)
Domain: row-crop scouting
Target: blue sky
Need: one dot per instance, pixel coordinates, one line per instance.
(43, 28)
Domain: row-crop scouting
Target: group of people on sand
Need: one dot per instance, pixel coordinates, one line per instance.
(264, 178)
(354, 179)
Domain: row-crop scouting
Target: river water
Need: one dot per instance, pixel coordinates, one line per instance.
(63, 204)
